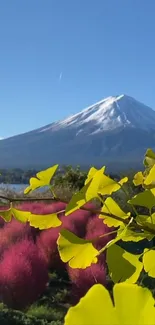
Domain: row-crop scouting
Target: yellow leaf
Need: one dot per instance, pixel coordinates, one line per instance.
(108, 185)
(42, 179)
(149, 262)
(112, 207)
(149, 159)
(123, 266)
(138, 179)
(78, 252)
(144, 199)
(20, 215)
(45, 221)
(150, 178)
(92, 173)
(86, 194)
(132, 305)
(6, 214)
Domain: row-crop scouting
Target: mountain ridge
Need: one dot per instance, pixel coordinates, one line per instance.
(103, 133)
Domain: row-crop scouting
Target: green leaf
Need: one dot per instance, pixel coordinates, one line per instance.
(132, 305)
(122, 265)
(6, 214)
(110, 206)
(145, 199)
(86, 194)
(149, 262)
(42, 179)
(78, 252)
(145, 220)
(138, 179)
(108, 185)
(135, 236)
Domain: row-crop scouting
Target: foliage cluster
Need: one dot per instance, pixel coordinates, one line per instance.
(93, 250)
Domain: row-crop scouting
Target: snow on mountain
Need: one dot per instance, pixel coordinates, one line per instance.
(109, 114)
(117, 130)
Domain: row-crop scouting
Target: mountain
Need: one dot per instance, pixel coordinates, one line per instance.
(115, 131)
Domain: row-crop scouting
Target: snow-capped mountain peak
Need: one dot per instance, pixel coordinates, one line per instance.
(108, 114)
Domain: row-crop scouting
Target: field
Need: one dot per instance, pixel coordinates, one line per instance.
(36, 287)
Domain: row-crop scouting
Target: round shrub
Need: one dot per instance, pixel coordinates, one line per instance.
(83, 279)
(23, 275)
(12, 232)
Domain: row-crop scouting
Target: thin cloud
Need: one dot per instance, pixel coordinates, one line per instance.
(60, 76)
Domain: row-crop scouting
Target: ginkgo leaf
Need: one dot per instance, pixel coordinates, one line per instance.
(134, 236)
(45, 221)
(20, 215)
(145, 199)
(111, 207)
(86, 194)
(146, 220)
(149, 262)
(92, 173)
(6, 214)
(123, 266)
(78, 252)
(138, 179)
(149, 159)
(108, 185)
(42, 179)
(132, 305)
(150, 178)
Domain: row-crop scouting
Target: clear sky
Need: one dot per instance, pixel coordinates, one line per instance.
(59, 56)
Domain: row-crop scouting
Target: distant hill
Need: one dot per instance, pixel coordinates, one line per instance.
(115, 131)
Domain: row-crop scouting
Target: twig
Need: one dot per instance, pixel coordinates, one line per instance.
(95, 211)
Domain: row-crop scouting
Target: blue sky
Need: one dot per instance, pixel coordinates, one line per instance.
(57, 57)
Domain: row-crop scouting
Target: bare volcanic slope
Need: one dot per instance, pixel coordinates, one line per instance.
(115, 131)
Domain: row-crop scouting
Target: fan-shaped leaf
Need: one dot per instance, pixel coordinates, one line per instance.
(78, 252)
(122, 265)
(112, 207)
(42, 179)
(86, 194)
(45, 221)
(145, 199)
(108, 185)
(6, 214)
(132, 305)
(138, 179)
(149, 262)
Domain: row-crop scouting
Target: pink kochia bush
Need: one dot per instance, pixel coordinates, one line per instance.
(83, 279)
(23, 275)
(12, 232)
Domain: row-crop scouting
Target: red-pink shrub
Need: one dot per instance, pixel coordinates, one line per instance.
(12, 232)
(23, 275)
(80, 219)
(41, 207)
(84, 279)
(95, 228)
(47, 243)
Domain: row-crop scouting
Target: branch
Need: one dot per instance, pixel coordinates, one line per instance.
(95, 211)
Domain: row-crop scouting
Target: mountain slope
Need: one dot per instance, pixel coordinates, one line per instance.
(115, 131)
